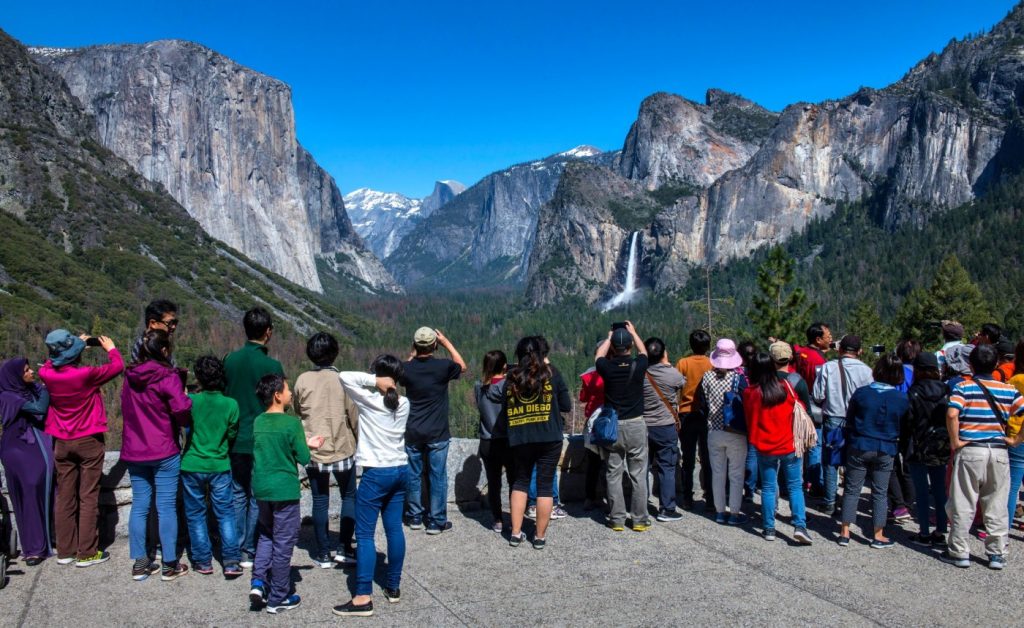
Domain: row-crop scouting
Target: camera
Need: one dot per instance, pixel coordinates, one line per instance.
(618, 326)
(878, 349)
(92, 341)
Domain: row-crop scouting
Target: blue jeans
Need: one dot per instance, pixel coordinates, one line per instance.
(246, 512)
(931, 481)
(769, 467)
(831, 472)
(194, 487)
(1016, 476)
(319, 486)
(752, 476)
(436, 457)
(158, 477)
(382, 490)
(531, 495)
(813, 471)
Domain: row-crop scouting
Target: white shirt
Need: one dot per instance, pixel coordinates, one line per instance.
(381, 432)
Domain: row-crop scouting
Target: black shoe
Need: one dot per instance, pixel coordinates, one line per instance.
(349, 609)
(687, 504)
(538, 544)
(393, 595)
(516, 539)
(434, 530)
(709, 506)
(920, 539)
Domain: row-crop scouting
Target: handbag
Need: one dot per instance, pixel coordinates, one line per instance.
(605, 429)
(733, 418)
(805, 436)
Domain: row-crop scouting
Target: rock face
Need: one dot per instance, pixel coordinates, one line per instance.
(383, 219)
(221, 139)
(485, 235)
(934, 140)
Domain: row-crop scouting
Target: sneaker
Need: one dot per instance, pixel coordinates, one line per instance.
(720, 518)
(497, 527)
(99, 557)
(642, 526)
(558, 512)
(531, 512)
(768, 534)
(204, 568)
(246, 561)
(393, 596)
(901, 514)
(876, 544)
(617, 527)
(962, 563)
(414, 524)
(174, 572)
(828, 509)
(144, 568)
(538, 544)
(687, 504)
(996, 561)
(287, 604)
(738, 519)
(434, 530)
(843, 541)
(348, 609)
(669, 515)
(516, 539)
(800, 536)
(323, 561)
(232, 571)
(938, 541)
(345, 557)
(257, 593)
(67, 560)
(921, 539)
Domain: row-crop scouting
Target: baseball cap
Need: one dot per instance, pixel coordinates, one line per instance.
(621, 338)
(926, 360)
(424, 337)
(850, 342)
(780, 351)
(1005, 346)
(953, 329)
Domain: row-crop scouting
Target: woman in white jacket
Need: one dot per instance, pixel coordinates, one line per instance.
(381, 454)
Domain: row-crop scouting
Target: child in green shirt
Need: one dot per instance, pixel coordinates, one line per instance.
(205, 465)
(279, 444)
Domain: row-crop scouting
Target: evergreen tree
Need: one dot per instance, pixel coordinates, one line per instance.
(779, 312)
(866, 323)
(952, 296)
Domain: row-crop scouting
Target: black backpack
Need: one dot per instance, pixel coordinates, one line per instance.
(929, 440)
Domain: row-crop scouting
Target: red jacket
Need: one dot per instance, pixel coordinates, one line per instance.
(770, 429)
(807, 361)
(592, 391)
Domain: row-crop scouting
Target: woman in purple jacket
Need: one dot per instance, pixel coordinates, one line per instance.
(155, 408)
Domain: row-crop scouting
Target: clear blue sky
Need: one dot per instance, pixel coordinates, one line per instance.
(393, 95)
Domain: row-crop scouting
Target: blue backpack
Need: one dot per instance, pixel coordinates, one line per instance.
(605, 430)
(733, 417)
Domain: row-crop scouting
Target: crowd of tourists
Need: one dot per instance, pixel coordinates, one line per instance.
(934, 432)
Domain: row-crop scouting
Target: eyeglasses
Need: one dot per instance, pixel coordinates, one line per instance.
(171, 323)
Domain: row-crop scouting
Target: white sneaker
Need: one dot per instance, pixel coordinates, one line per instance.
(66, 561)
(531, 512)
(558, 512)
(246, 562)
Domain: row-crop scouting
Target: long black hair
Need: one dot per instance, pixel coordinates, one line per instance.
(494, 365)
(527, 377)
(762, 374)
(388, 366)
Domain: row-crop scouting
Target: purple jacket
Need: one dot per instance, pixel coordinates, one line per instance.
(154, 406)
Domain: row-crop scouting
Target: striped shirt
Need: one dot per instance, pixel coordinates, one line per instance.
(977, 421)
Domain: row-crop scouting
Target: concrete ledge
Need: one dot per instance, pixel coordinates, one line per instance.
(467, 483)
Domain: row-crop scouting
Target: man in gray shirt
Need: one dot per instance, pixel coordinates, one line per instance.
(662, 385)
(833, 388)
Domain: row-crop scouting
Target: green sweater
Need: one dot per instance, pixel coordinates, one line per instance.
(214, 426)
(279, 444)
(243, 370)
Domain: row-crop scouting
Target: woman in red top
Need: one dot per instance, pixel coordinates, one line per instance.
(768, 404)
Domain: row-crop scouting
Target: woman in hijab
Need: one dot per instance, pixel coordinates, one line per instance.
(27, 455)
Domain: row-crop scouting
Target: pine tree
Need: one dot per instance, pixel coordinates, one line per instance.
(866, 323)
(779, 312)
(952, 296)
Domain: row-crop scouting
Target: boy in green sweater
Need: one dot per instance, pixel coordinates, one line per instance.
(279, 444)
(205, 466)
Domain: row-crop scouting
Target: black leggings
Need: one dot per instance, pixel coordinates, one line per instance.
(496, 455)
(542, 455)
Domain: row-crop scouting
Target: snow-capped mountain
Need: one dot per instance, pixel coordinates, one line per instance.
(382, 219)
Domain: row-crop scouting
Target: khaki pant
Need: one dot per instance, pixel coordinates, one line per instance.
(76, 509)
(629, 455)
(728, 452)
(980, 475)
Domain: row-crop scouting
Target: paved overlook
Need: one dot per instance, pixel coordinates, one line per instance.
(691, 572)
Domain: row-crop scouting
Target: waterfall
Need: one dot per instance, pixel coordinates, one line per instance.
(629, 288)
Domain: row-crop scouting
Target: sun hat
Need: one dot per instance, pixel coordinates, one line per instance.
(64, 347)
(725, 355)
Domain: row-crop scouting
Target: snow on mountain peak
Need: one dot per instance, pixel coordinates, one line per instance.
(580, 152)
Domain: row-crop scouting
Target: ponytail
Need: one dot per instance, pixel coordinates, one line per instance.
(388, 366)
(391, 399)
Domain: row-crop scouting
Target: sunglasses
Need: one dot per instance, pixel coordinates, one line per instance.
(171, 323)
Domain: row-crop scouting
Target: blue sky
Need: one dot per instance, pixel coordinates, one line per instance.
(393, 95)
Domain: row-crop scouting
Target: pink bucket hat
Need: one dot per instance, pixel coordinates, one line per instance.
(725, 355)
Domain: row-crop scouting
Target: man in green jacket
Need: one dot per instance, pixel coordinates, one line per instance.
(243, 370)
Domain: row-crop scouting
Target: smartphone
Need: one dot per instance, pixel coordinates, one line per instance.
(92, 341)
(879, 349)
(618, 326)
